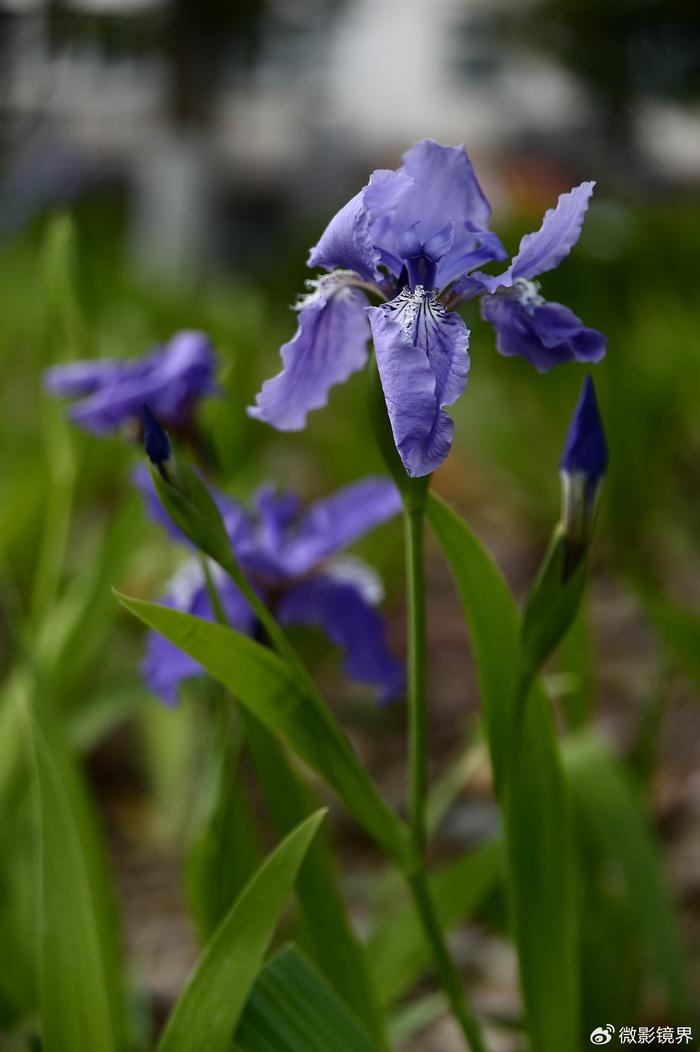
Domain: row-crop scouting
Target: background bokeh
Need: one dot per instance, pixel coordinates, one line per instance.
(200, 149)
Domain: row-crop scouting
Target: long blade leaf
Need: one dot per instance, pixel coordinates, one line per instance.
(262, 682)
(206, 1014)
(607, 803)
(82, 1009)
(538, 829)
(293, 1009)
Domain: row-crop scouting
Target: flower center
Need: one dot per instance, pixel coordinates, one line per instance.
(422, 257)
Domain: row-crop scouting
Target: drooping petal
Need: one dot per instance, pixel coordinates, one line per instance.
(170, 379)
(546, 334)
(545, 248)
(341, 609)
(423, 361)
(347, 240)
(329, 345)
(334, 523)
(165, 666)
(444, 187)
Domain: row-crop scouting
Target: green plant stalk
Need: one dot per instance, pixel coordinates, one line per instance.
(448, 972)
(450, 978)
(417, 679)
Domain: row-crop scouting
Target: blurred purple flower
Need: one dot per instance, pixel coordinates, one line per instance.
(170, 378)
(413, 237)
(291, 558)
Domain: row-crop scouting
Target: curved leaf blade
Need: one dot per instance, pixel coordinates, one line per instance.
(82, 1009)
(533, 791)
(293, 1009)
(606, 801)
(206, 1014)
(264, 683)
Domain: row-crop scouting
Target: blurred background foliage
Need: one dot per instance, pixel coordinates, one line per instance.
(200, 150)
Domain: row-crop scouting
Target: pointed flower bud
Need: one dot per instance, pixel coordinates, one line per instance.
(582, 468)
(155, 440)
(185, 496)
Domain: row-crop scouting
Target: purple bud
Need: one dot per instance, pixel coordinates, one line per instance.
(155, 441)
(582, 467)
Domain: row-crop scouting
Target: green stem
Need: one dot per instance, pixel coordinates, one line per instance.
(449, 973)
(417, 679)
(450, 978)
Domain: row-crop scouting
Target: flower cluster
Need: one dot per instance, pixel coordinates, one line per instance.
(291, 558)
(414, 237)
(112, 391)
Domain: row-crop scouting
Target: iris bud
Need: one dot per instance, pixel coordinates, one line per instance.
(582, 468)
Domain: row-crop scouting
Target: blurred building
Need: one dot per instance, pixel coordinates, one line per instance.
(259, 110)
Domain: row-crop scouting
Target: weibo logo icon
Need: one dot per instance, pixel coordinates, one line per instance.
(602, 1035)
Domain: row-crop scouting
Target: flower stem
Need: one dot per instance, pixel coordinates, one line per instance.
(417, 680)
(450, 978)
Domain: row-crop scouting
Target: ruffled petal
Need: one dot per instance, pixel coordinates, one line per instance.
(545, 248)
(423, 361)
(347, 240)
(165, 666)
(170, 379)
(343, 612)
(546, 334)
(334, 523)
(329, 345)
(444, 187)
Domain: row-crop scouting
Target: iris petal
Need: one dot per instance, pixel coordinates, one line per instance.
(332, 524)
(545, 248)
(349, 621)
(329, 345)
(347, 240)
(444, 187)
(546, 335)
(423, 361)
(170, 379)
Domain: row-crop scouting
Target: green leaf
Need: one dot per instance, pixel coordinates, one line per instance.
(205, 1016)
(82, 1006)
(552, 604)
(328, 935)
(293, 1009)
(541, 858)
(398, 949)
(225, 845)
(494, 627)
(266, 685)
(538, 828)
(608, 804)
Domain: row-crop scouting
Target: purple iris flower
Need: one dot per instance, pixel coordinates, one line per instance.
(414, 237)
(171, 378)
(582, 466)
(291, 558)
